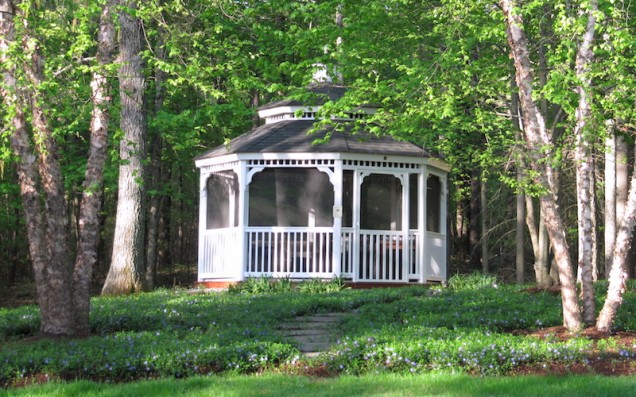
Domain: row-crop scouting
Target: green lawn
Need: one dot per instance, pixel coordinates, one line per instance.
(438, 384)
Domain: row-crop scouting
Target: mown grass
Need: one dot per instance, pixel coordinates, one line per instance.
(276, 385)
(416, 331)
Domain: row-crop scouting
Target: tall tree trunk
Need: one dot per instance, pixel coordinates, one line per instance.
(540, 245)
(521, 197)
(519, 235)
(584, 168)
(155, 176)
(620, 259)
(538, 143)
(622, 176)
(127, 265)
(473, 227)
(90, 206)
(485, 266)
(610, 195)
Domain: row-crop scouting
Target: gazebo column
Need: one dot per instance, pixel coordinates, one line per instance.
(443, 221)
(336, 259)
(421, 224)
(242, 219)
(406, 251)
(358, 177)
(203, 264)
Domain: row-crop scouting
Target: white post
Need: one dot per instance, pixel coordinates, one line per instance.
(357, 184)
(406, 254)
(203, 218)
(443, 226)
(243, 219)
(421, 222)
(336, 259)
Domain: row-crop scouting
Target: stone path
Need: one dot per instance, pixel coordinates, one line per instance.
(313, 334)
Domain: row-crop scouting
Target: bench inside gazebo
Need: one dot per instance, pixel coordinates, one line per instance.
(369, 209)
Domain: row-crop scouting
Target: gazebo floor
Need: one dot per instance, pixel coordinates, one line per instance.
(223, 285)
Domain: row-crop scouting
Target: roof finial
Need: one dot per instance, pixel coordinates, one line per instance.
(321, 75)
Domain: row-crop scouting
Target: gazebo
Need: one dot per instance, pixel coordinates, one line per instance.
(367, 208)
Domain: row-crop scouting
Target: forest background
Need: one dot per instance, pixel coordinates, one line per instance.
(106, 103)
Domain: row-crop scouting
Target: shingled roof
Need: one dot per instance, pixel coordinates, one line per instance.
(293, 136)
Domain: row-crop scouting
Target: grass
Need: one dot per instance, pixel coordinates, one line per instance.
(432, 384)
(429, 340)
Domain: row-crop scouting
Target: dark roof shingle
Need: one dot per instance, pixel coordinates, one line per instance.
(292, 136)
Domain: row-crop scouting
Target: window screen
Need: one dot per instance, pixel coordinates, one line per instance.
(222, 200)
(290, 197)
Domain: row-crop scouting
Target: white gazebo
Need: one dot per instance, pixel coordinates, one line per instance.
(365, 208)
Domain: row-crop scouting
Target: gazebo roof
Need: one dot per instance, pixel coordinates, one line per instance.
(293, 136)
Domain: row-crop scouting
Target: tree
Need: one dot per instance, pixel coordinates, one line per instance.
(539, 146)
(584, 164)
(90, 206)
(127, 264)
(62, 292)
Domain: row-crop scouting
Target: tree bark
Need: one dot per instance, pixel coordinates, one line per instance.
(521, 197)
(473, 227)
(90, 206)
(610, 196)
(40, 181)
(584, 168)
(155, 176)
(619, 272)
(485, 266)
(538, 144)
(126, 269)
(519, 235)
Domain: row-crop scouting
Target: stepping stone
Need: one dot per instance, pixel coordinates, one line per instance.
(313, 334)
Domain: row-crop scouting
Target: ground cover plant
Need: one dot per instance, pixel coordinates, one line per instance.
(480, 329)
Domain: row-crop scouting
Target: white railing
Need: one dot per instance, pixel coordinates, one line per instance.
(214, 262)
(302, 252)
(295, 252)
(347, 253)
(436, 256)
(383, 257)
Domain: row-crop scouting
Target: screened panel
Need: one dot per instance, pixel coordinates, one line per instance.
(381, 203)
(222, 200)
(290, 197)
(413, 201)
(433, 204)
(347, 198)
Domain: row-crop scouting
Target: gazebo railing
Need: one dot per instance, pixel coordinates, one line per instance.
(295, 252)
(213, 259)
(385, 256)
(303, 252)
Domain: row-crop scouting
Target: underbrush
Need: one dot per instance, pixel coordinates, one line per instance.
(471, 328)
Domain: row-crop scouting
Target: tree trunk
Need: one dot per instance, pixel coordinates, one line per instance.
(610, 195)
(540, 245)
(473, 227)
(90, 206)
(155, 177)
(538, 144)
(125, 274)
(584, 168)
(485, 267)
(521, 197)
(519, 238)
(620, 259)
(40, 181)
